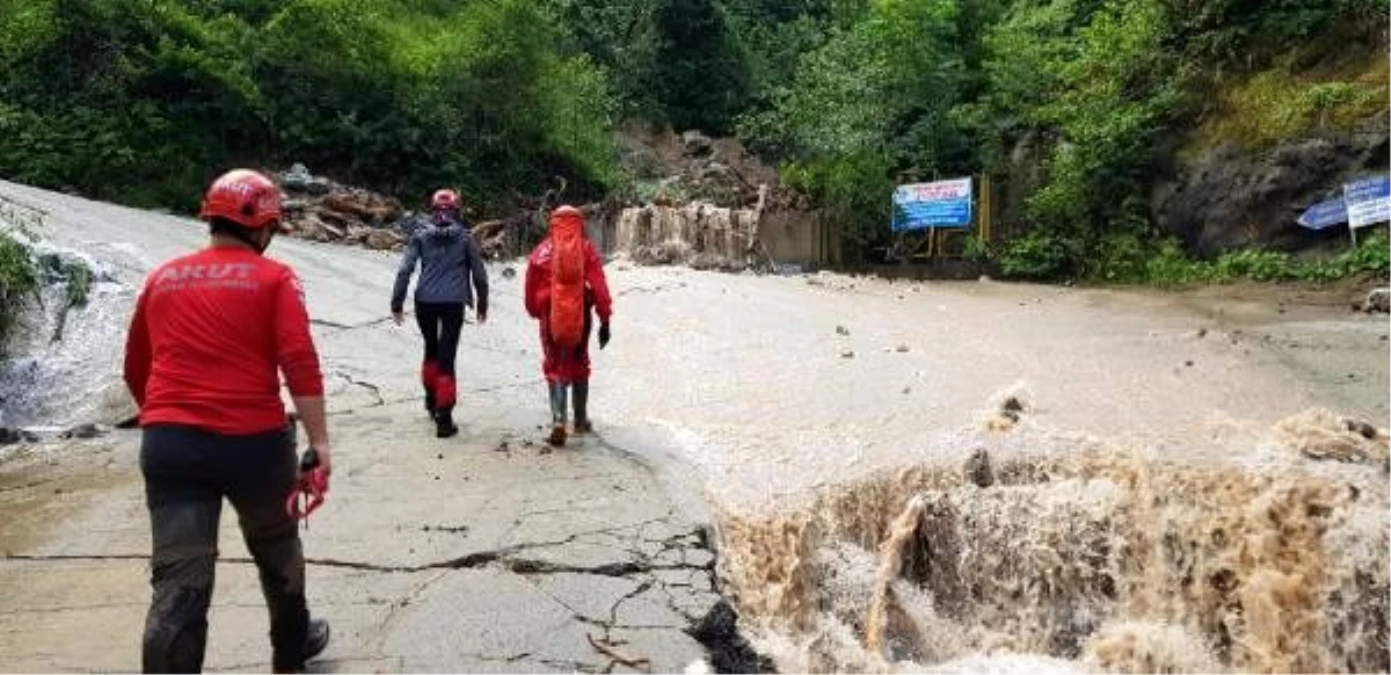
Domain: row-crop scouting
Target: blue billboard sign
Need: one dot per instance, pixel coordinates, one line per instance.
(921, 206)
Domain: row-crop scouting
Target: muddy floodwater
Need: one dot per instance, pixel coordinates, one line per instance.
(892, 476)
(984, 476)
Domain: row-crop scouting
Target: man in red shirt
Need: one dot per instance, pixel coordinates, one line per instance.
(212, 333)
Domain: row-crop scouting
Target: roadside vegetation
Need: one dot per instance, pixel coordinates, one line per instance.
(143, 101)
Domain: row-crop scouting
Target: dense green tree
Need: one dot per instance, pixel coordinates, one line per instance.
(144, 100)
(704, 80)
(122, 98)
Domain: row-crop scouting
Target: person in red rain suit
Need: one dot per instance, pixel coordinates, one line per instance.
(565, 286)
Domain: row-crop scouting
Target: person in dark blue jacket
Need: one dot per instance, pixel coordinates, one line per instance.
(449, 260)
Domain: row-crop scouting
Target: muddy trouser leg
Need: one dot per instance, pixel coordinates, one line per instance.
(552, 366)
(258, 494)
(428, 321)
(184, 514)
(259, 472)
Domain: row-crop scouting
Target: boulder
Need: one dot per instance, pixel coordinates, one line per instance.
(696, 144)
(297, 178)
(319, 209)
(382, 240)
(1378, 301)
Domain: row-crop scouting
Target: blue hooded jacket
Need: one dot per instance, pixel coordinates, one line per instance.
(449, 260)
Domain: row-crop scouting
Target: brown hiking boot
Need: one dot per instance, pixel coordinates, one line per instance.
(583, 427)
(557, 437)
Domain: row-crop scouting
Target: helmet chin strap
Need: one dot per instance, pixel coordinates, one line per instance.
(250, 238)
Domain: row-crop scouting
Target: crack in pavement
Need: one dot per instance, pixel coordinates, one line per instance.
(33, 484)
(513, 658)
(654, 555)
(351, 326)
(613, 610)
(652, 289)
(394, 609)
(376, 390)
(504, 556)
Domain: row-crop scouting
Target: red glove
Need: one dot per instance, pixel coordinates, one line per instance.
(312, 487)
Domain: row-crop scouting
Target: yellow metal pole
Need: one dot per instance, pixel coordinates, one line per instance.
(985, 208)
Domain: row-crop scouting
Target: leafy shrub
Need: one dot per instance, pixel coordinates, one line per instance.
(18, 280)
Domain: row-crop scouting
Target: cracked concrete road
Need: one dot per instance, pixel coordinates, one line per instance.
(483, 553)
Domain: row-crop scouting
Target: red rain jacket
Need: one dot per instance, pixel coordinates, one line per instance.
(564, 364)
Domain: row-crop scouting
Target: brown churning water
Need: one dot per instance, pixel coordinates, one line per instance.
(1078, 556)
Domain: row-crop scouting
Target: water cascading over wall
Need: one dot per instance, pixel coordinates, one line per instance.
(62, 365)
(705, 236)
(1090, 557)
(696, 234)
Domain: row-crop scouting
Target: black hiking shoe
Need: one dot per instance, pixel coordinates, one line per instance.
(444, 424)
(557, 437)
(583, 427)
(317, 639)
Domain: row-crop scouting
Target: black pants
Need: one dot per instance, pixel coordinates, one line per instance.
(188, 471)
(440, 323)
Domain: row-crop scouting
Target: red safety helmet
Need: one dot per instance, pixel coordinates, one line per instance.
(244, 197)
(445, 199)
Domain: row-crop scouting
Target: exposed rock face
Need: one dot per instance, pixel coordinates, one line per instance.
(693, 167)
(1228, 197)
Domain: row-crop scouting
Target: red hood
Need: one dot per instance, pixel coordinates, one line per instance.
(567, 222)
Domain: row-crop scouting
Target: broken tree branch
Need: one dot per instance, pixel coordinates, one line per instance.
(636, 662)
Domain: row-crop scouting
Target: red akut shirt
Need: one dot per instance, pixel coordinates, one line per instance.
(211, 334)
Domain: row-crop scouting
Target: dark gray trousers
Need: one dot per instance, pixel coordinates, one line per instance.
(188, 472)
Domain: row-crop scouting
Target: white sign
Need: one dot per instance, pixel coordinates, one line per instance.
(1368, 201)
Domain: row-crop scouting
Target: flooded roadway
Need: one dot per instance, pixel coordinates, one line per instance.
(897, 476)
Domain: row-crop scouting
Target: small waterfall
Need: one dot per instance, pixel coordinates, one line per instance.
(697, 234)
(63, 366)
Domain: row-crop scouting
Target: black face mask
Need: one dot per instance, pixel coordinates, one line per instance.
(445, 217)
